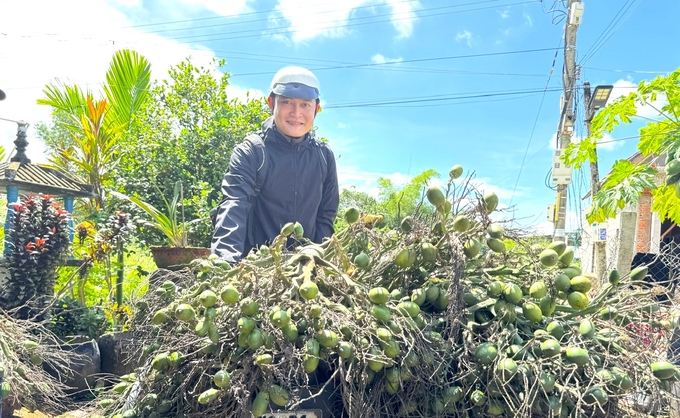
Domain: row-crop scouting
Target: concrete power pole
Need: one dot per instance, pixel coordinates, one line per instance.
(600, 247)
(565, 129)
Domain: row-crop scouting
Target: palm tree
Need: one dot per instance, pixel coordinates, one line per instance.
(97, 126)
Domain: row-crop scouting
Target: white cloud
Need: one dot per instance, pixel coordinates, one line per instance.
(243, 94)
(381, 59)
(573, 223)
(364, 181)
(403, 16)
(342, 125)
(308, 20)
(127, 3)
(484, 184)
(58, 43)
(221, 7)
(625, 87)
(527, 20)
(504, 14)
(607, 143)
(464, 35)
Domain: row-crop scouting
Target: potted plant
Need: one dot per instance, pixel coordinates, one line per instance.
(177, 252)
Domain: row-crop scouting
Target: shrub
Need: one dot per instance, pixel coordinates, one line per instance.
(39, 243)
(69, 318)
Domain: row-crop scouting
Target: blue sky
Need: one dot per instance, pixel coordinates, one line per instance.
(471, 78)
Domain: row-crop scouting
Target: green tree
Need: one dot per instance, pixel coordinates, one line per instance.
(353, 198)
(395, 203)
(56, 136)
(186, 132)
(658, 137)
(98, 127)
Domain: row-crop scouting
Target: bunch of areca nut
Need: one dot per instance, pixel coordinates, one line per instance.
(453, 314)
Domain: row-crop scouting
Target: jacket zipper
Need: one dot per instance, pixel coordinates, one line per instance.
(295, 189)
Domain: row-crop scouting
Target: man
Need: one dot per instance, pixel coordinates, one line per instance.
(283, 175)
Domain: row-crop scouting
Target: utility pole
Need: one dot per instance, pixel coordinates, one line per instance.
(599, 244)
(566, 124)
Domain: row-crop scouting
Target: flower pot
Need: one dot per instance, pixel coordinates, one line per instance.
(177, 257)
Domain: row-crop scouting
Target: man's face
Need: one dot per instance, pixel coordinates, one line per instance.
(294, 117)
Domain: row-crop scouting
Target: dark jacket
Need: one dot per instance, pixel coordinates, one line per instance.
(300, 185)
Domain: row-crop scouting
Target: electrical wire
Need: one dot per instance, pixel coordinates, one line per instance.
(466, 102)
(280, 30)
(430, 99)
(430, 59)
(390, 63)
(628, 71)
(397, 69)
(538, 115)
(547, 182)
(597, 46)
(221, 17)
(633, 137)
(249, 33)
(558, 14)
(611, 24)
(547, 144)
(260, 12)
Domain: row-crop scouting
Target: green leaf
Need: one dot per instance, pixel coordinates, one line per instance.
(656, 137)
(578, 153)
(666, 203)
(61, 97)
(127, 85)
(167, 223)
(623, 186)
(615, 113)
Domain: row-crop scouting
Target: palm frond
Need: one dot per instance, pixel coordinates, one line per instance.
(127, 85)
(64, 97)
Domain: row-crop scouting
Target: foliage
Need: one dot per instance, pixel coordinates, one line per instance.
(97, 126)
(127, 86)
(98, 246)
(69, 318)
(96, 147)
(393, 203)
(186, 132)
(623, 186)
(56, 136)
(658, 137)
(167, 222)
(97, 288)
(40, 242)
(353, 198)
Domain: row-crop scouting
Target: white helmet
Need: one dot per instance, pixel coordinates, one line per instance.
(296, 83)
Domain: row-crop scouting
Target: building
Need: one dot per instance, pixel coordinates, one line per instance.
(636, 233)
